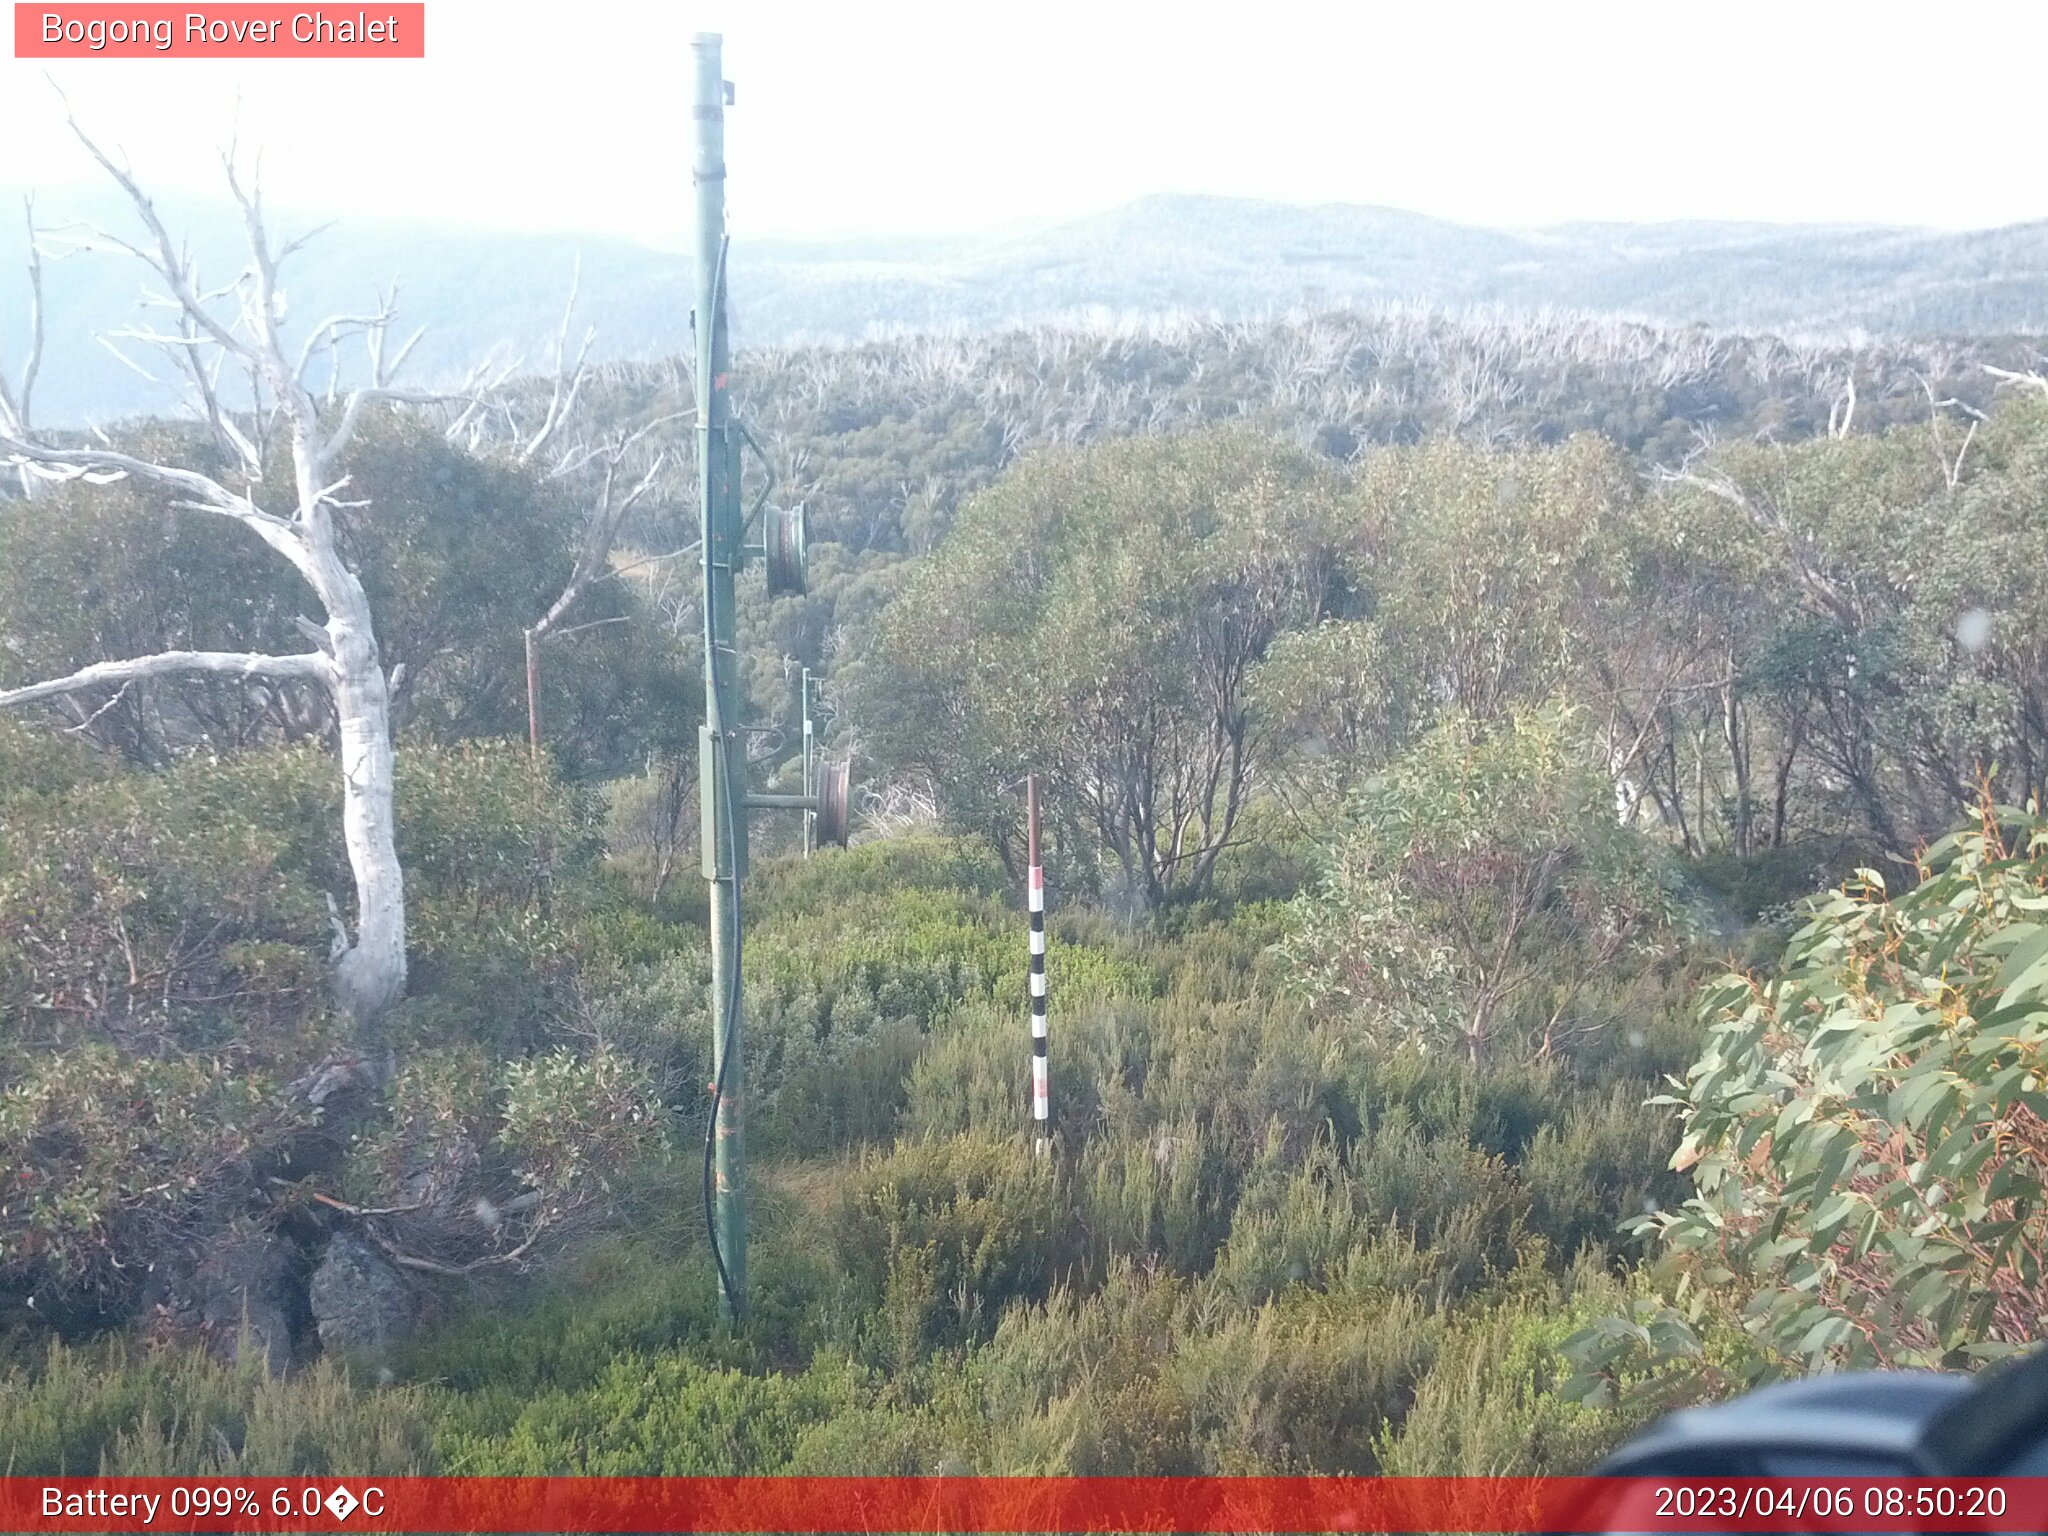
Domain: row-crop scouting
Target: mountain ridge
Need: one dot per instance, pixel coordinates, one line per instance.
(476, 290)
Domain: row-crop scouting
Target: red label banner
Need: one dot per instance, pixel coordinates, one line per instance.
(1021, 1504)
(226, 31)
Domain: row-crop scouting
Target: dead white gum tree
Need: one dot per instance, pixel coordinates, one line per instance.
(617, 466)
(17, 397)
(240, 327)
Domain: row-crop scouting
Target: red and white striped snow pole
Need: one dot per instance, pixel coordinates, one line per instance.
(1041, 1095)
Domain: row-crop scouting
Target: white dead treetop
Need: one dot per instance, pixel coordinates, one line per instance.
(241, 326)
(16, 398)
(620, 464)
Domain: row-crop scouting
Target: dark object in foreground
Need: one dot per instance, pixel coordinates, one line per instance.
(1859, 1424)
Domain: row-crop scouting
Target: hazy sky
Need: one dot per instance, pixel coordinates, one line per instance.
(872, 115)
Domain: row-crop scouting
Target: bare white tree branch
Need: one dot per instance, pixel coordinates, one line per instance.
(2028, 377)
(568, 381)
(370, 968)
(312, 667)
(17, 401)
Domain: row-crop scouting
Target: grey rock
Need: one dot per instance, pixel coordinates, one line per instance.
(361, 1301)
(240, 1291)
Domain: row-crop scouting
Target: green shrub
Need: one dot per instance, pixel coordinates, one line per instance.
(972, 1074)
(1149, 1375)
(1865, 1132)
(1145, 1195)
(163, 959)
(1461, 1207)
(1297, 1224)
(1305, 1385)
(1492, 1404)
(559, 1331)
(664, 1416)
(109, 1157)
(846, 879)
(893, 1440)
(1050, 1353)
(34, 762)
(1497, 1109)
(947, 1233)
(117, 1413)
(847, 975)
(1479, 885)
(1607, 1162)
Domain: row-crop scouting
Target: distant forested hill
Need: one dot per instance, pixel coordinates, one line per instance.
(474, 290)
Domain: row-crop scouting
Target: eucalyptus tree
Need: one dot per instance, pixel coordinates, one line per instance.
(1489, 570)
(1477, 887)
(604, 475)
(1095, 617)
(1327, 696)
(17, 394)
(243, 327)
(454, 553)
(1878, 634)
(1865, 1127)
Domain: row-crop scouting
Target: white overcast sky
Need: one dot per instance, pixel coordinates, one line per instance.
(873, 115)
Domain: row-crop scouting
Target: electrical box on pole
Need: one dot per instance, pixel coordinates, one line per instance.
(723, 796)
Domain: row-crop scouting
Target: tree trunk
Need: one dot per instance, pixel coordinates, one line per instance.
(1738, 758)
(533, 696)
(1781, 801)
(369, 969)
(369, 976)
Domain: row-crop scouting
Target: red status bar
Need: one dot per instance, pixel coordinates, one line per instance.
(1021, 1504)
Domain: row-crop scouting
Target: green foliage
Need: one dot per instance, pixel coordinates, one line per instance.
(1145, 1195)
(1343, 1125)
(110, 1413)
(159, 987)
(164, 905)
(163, 1005)
(573, 1122)
(945, 1233)
(1599, 1157)
(38, 763)
(1322, 1202)
(1144, 1377)
(966, 1077)
(101, 573)
(662, 1417)
(1309, 1226)
(1480, 883)
(107, 1157)
(1863, 1129)
(1093, 617)
(645, 1291)
(836, 881)
(852, 959)
(1492, 1404)
(1841, 629)
(1331, 693)
(1485, 567)
(494, 855)
(894, 1440)
(457, 554)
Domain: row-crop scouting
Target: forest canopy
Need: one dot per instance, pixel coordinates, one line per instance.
(1543, 825)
